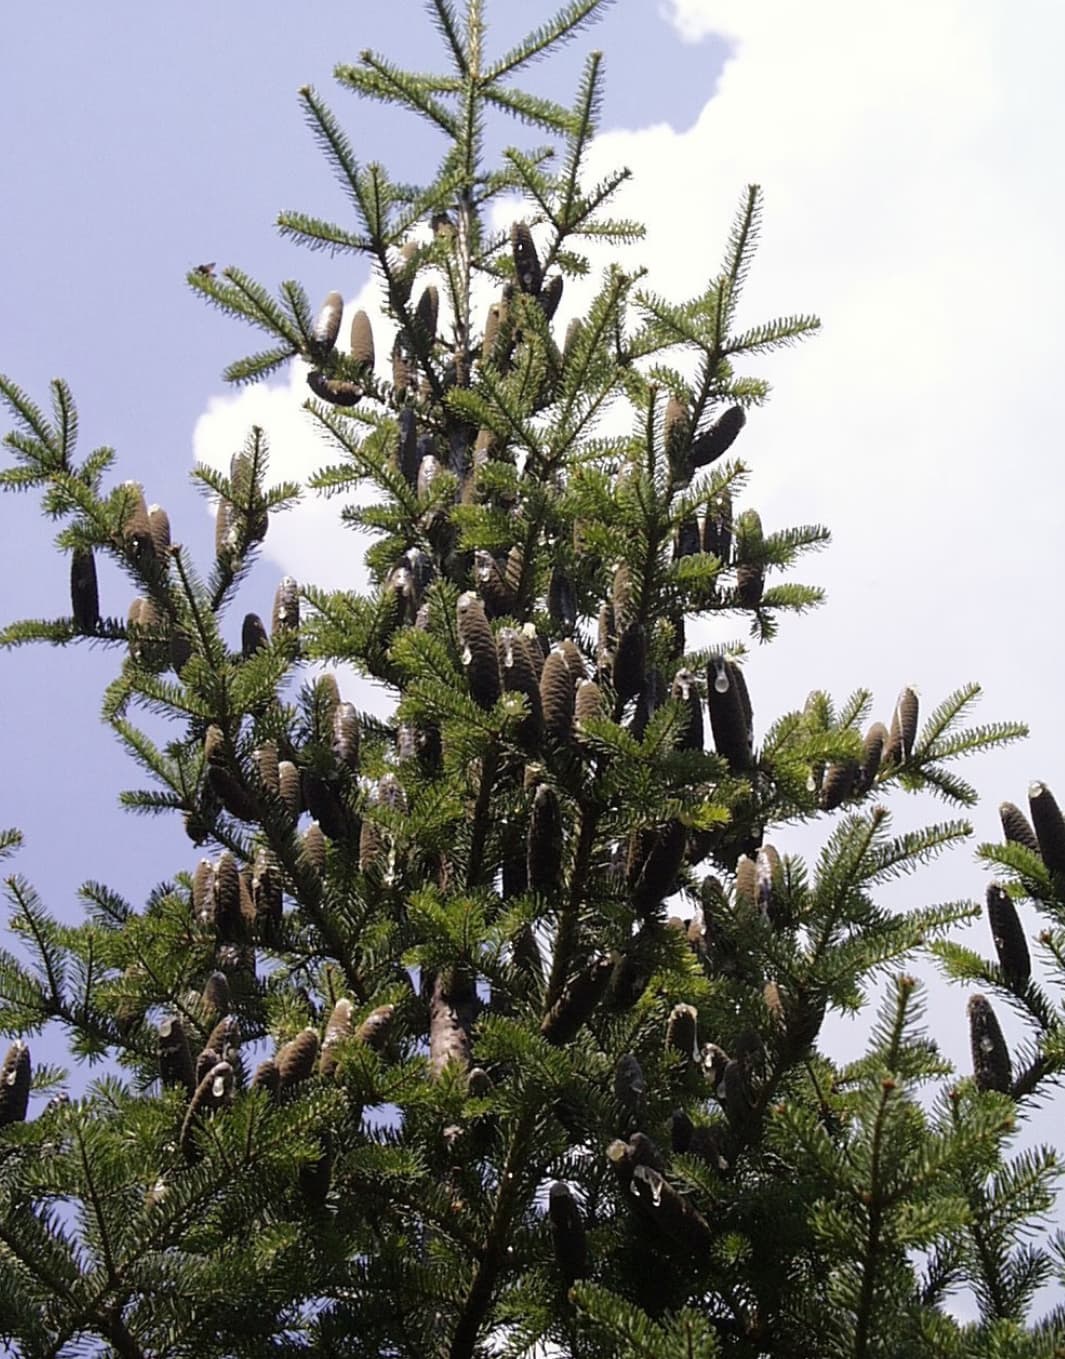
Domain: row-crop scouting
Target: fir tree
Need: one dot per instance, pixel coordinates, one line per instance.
(415, 1059)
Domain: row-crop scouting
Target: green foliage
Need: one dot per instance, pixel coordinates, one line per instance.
(425, 967)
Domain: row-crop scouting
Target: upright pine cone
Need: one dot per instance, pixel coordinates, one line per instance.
(1016, 827)
(479, 651)
(1049, 826)
(15, 1084)
(991, 1058)
(84, 591)
(567, 1233)
(1008, 934)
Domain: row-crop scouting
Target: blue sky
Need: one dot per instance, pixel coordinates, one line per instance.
(915, 191)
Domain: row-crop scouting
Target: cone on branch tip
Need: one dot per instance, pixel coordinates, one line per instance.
(84, 591)
(674, 1214)
(296, 1059)
(991, 1058)
(716, 440)
(1016, 827)
(361, 344)
(1008, 935)
(1049, 826)
(557, 695)
(213, 1092)
(630, 1084)
(338, 1027)
(876, 739)
(215, 997)
(526, 261)
(567, 1233)
(479, 656)
(159, 527)
(15, 1084)
(253, 636)
(550, 296)
(577, 1001)
(175, 1055)
(903, 731)
(286, 615)
(544, 843)
(327, 326)
(730, 715)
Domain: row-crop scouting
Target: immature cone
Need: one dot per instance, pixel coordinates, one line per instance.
(136, 526)
(228, 920)
(544, 845)
(252, 636)
(876, 738)
(403, 366)
(264, 762)
(630, 662)
(175, 1055)
(719, 438)
(205, 1062)
(362, 350)
(562, 602)
(181, 650)
(214, 1092)
(991, 1058)
(518, 674)
(682, 1032)
(338, 1027)
(747, 882)
(427, 311)
(15, 1084)
(84, 591)
(661, 861)
(226, 531)
(1008, 934)
(286, 617)
(324, 804)
(327, 325)
(687, 538)
(685, 691)
(567, 1233)
(577, 1001)
(267, 896)
(346, 736)
(729, 713)
(215, 997)
(452, 1010)
(224, 1038)
(295, 1061)
(839, 783)
(337, 391)
(903, 729)
(290, 787)
(374, 1030)
(557, 696)
(717, 528)
(313, 848)
(267, 1077)
(526, 260)
(159, 527)
(1049, 826)
(630, 1084)
(551, 295)
(735, 1094)
(587, 704)
(672, 1212)
(407, 455)
(676, 434)
(479, 651)
(1016, 827)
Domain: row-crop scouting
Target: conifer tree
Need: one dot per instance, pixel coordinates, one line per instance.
(496, 1027)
